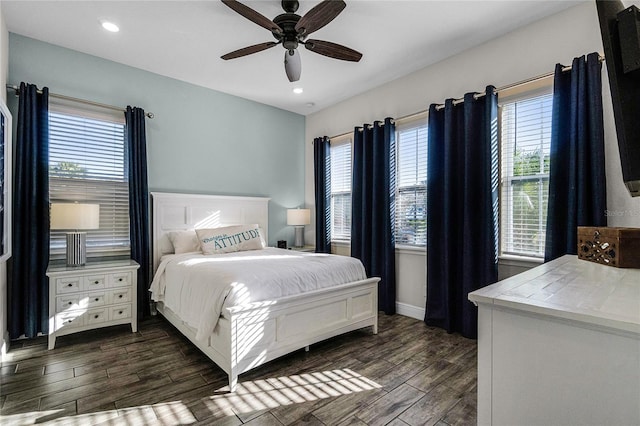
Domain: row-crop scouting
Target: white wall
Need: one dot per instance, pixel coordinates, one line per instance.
(527, 52)
(4, 62)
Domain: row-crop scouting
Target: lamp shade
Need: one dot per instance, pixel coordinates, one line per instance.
(75, 216)
(298, 217)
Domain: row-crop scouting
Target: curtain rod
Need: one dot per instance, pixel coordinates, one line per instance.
(84, 101)
(479, 95)
(514, 85)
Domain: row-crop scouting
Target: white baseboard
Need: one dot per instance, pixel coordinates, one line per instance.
(410, 311)
(4, 345)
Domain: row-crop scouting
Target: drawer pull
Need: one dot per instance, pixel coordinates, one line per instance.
(120, 313)
(96, 316)
(96, 282)
(70, 285)
(120, 296)
(96, 299)
(120, 279)
(70, 303)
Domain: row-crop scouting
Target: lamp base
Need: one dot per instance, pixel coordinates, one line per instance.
(76, 248)
(298, 237)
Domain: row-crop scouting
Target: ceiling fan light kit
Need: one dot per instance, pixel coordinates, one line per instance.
(291, 30)
(292, 65)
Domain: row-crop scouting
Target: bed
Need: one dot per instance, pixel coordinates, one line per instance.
(246, 335)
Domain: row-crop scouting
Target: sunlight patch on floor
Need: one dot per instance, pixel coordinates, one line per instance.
(250, 396)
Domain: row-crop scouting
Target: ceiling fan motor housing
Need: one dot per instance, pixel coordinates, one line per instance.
(289, 36)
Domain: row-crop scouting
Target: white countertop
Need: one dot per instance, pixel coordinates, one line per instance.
(572, 289)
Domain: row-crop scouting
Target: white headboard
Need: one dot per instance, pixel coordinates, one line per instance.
(172, 212)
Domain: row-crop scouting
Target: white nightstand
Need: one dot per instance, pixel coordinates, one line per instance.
(308, 249)
(96, 295)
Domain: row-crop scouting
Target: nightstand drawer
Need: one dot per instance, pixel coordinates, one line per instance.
(122, 279)
(120, 295)
(68, 285)
(67, 320)
(95, 316)
(120, 312)
(96, 299)
(67, 303)
(95, 282)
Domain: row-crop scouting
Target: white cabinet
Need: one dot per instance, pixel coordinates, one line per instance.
(96, 295)
(560, 344)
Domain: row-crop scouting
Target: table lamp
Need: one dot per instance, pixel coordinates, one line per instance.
(298, 218)
(75, 218)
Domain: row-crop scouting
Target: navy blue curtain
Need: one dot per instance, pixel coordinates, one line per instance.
(139, 203)
(577, 183)
(373, 201)
(462, 200)
(322, 180)
(28, 290)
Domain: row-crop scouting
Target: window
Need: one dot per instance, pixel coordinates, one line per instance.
(525, 145)
(411, 180)
(87, 164)
(340, 152)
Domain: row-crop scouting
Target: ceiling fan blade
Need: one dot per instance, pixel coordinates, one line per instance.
(319, 16)
(253, 16)
(248, 50)
(333, 50)
(292, 65)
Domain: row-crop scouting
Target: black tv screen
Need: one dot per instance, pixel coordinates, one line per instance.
(620, 30)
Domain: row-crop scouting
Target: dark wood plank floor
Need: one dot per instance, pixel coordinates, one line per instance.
(408, 374)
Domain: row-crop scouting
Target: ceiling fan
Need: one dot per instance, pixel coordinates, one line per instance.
(291, 30)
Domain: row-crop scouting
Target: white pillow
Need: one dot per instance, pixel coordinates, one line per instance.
(184, 241)
(230, 238)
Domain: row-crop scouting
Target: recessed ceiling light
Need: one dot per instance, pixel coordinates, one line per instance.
(310, 105)
(298, 90)
(110, 26)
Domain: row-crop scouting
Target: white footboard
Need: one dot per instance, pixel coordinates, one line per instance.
(249, 336)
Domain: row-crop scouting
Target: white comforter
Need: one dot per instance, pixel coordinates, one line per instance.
(198, 287)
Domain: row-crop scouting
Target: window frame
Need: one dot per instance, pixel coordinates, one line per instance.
(334, 143)
(118, 184)
(535, 89)
(416, 122)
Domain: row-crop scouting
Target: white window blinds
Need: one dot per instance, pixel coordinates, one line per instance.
(341, 189)
(525, 144)
(87, 164)
(411, 179)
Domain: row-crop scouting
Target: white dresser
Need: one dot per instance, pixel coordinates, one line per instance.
(560, 344)
(96, 295)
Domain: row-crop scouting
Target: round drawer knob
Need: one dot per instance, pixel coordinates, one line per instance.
(96, 282)
(120, 279)
(70, 303)
(120, 313)
(96, 316)
(120, 296)
(96, 299)
(70, 285)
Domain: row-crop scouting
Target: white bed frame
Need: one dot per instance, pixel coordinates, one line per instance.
(248, 336)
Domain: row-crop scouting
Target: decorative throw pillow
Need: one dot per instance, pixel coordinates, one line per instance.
(230, 238)
(184, 241)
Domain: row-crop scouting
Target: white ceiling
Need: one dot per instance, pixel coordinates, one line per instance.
(185, 39)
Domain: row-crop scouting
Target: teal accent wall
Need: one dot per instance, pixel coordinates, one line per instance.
(200, 141)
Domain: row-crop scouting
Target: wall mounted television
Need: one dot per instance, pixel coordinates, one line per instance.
(620, 30)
